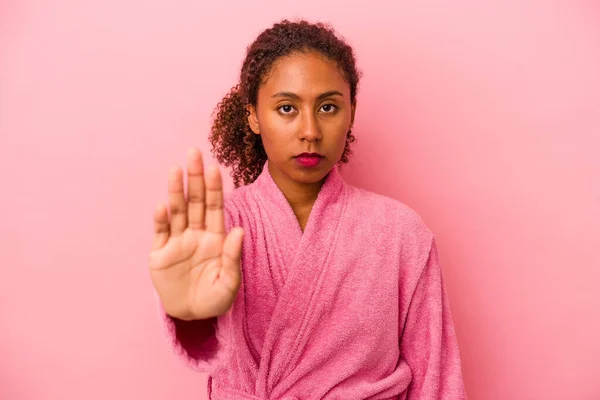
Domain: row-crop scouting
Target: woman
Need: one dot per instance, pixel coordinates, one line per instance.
(319, 290)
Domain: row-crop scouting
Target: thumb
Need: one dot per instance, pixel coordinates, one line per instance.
(232, 252)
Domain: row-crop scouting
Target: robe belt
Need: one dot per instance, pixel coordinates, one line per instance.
(219, 393)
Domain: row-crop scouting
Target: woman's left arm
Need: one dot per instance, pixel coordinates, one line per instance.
(428, 343)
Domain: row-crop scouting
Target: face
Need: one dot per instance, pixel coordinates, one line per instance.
(303, 114)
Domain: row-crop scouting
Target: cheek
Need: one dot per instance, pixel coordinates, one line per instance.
(275, 129)
(274, 133)
(339, 129)
(341, 142)
(268, 120)
(342, 133)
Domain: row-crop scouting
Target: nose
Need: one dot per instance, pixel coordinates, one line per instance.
(310, 129)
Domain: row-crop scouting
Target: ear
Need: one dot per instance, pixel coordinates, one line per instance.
(253, 119)
(353, 114)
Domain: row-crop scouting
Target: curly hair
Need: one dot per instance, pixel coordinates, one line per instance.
(233, 143)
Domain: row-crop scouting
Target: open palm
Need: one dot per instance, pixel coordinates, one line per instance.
(194, 265)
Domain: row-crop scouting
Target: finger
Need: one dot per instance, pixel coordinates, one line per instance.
(161, 227)
(195, 190)
(231, 258)
(177, 203)
(214, 201)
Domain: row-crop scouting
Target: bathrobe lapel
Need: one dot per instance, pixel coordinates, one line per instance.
(303, 260)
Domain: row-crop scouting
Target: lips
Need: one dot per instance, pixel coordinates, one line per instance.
(308, 160)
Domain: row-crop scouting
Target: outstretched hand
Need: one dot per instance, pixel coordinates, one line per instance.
(194, 265)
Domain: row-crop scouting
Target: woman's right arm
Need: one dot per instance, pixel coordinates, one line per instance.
(195, 265)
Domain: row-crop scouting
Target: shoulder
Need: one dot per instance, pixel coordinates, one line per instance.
(385, 210)
(384, 214)
(234, 203)
(236, 198)
(392, 225)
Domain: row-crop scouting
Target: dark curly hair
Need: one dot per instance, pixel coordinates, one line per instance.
(233, 142)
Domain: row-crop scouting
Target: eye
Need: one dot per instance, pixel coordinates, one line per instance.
(286, 109)
(328, 108)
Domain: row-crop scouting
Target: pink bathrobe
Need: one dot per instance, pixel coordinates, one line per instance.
(352, 308)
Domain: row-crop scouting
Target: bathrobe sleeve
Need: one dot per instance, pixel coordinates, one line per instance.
(428, 343)
(203, 344)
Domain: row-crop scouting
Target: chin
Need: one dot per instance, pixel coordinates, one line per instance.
(311, 175)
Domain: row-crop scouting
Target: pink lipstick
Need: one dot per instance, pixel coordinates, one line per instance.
(308, 160)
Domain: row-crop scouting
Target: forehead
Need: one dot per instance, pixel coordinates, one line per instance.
(305, 73)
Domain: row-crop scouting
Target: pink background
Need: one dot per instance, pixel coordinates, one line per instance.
(483, 116)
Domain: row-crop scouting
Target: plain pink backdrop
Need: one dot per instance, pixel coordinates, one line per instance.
(482, 116)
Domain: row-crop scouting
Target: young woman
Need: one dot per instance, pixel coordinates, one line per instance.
(298, 285)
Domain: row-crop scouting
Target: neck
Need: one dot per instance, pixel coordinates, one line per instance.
(300, 196)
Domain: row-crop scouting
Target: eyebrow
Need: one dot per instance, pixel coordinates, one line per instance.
(320, 97)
